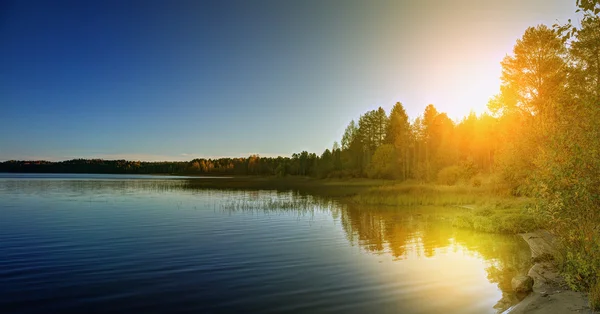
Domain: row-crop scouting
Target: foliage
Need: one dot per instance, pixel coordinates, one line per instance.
(567, 180)
(399, 135)
(497, 221)
(384, 163)
(594, 295)
(449, 175)
(533, 83)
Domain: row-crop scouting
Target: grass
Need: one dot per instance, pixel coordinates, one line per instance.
(416, 195)
(512, 220)
(486, 208)
(275, 204)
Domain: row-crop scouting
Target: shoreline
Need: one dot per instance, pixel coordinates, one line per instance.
(550, 294)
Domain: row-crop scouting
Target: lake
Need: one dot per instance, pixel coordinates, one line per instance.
(154, 244)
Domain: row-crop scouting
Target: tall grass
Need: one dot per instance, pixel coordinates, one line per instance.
(486, 208)
(418, 194)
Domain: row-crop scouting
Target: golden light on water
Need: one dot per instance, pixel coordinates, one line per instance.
(434, 263)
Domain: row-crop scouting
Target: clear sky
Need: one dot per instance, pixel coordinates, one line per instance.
(175, 80)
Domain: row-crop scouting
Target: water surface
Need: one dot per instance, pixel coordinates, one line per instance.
(151, 244)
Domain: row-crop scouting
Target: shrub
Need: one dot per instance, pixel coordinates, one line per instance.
(383, 163)
(449, 175)
(468, 169)
(463, 221)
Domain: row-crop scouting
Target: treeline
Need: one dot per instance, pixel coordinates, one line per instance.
(253, 165)
(432, 147)
(304, 164)
(93, 166)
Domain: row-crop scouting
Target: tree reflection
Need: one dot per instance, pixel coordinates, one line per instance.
(402, 232)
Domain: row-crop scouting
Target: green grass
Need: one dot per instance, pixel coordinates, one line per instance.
(514, 220)
(486, 209)
(416, 195)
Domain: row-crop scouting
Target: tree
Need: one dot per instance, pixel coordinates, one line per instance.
(325, 164)
(371, 133)
(435, 142)
(568, 176)
(533, 78)
(349, 135)
(533, 82)
(398, 135)
(384, 163)
(254, 164)
(336, 153)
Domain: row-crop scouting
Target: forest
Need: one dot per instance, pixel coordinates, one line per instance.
(540, 138)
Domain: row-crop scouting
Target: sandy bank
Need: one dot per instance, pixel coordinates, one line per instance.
(550, 293)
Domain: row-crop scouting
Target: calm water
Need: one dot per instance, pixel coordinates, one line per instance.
(142, 244)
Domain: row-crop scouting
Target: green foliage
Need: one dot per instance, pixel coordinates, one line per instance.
(567, 177)
(384, 164)
(349, 135)
(594, 295)
(372, 127)
(399, 135)
(418, 194)
(449, 175)
(497, 221)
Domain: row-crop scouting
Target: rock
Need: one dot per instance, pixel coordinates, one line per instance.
(522, 283)
(543, 245)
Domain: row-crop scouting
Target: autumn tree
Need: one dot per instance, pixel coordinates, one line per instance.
(533, 82)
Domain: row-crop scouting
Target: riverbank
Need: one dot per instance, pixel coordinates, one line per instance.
(550, 294)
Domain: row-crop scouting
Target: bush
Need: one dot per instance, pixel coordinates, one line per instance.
(383, 163)
(497, 221)
(463, 221)
(449, 175)
(468, 169)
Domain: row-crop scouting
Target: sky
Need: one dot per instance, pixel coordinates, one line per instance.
(177, 80)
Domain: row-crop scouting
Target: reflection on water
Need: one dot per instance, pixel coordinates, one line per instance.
(421, 234)
(155, 245)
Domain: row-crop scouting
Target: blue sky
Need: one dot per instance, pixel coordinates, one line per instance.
(175, 80)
